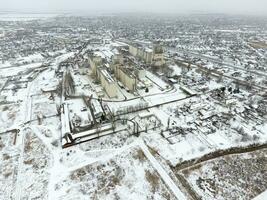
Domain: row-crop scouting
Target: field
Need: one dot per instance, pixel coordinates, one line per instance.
(9, 115)
(128, 175)
(35, 164)
(227, 177)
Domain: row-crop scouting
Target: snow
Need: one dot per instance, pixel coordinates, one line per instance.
(178, 123)
(231, 173)
(127, 166)
(12, 71)
(176, 70)
(177, 192)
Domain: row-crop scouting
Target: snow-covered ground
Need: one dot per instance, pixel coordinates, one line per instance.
(229, 176)
(186, 134)
(128, 175)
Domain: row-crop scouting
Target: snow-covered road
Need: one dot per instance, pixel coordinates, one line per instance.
(164, 175)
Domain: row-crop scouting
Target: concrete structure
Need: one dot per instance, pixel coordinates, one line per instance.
(133, 50)
(126, 73)
(107, 82)
(140, 72)
(95, 61)
(101, 74)
(158, 57)
(138, 51)
(149, 56)
(117, 59)
(126, 76)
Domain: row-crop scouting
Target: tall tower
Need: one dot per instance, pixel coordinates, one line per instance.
(158, 55)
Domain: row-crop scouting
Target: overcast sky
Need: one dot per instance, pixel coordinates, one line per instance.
(162, 6)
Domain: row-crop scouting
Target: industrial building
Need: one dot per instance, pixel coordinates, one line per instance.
(126, 76)
(158, 56)
(99, 71)
(107, 82)
(95, 61)
(141, 52)
(154, 57)
(127, 72)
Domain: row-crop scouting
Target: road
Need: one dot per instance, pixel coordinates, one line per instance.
(21, 142)
(18, 187)
(164, 175)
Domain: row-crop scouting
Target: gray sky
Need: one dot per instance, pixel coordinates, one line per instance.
(162, 6)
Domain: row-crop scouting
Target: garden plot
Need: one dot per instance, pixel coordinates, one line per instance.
(43, 107)
(9, 155)
(146, 121)
(128, 175)
(229, 177)
(185, 148)
(10, 115)
(36, 162)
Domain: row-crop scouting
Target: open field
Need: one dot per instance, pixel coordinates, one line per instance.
(9, 156)
(227, 177)
(128, 175)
